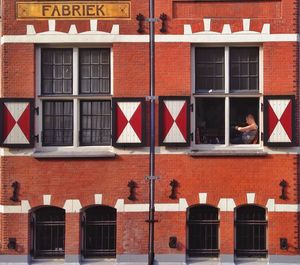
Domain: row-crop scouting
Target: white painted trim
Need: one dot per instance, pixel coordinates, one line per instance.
(98, 198)
(206, 37)
(144, 207)
(202, 198)
(47, 199)
(72, 206)
(7, 152)
(250, 197)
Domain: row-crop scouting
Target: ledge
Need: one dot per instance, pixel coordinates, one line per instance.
(238, 153)
(73, 154)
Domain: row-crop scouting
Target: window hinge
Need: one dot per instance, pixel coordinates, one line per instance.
(192, 107)
(262, 135)
(262, 107)
(37, 110)
(37, 138)
(192, 136)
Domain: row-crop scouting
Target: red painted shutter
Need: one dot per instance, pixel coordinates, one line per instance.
(16, 124)
(279, 120)
(174, 121)
(129, 122)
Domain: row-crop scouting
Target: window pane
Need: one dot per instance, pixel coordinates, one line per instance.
(57, 123)
(240, 109)
(210, 121)
(244, 66)
(94, 71)
(95, 123)
(56, 69)
(209, 69)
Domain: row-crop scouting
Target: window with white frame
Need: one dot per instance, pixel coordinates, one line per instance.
(227, 95)
(75, 96)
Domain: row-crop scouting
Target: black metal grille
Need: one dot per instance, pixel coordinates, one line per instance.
(250, 229)
(94, 71)
(57, 71)
(99, 232)
(244, 68)
(95, 127)
(48, 232)
(209, 69)
(203, 231)
(57, 123)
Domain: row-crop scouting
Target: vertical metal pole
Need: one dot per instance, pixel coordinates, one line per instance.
(152, 133)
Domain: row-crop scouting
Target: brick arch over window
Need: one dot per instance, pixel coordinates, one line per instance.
(48, 232)
(98, 231)
(250, 231)
(203, 231)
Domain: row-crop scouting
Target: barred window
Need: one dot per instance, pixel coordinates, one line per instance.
(203, 231)
(95, 122)
(250, 231)
(99, 232)
(48, 232)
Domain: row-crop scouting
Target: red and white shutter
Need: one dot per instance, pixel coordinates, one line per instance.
(279, 120)
(128, 121)
(16, 122)
(174, 121)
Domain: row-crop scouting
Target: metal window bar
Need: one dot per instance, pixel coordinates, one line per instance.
(48, 238)
(251, 238)
(205, 243)
(101, 242)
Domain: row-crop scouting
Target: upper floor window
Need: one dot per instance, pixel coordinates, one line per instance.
(250, 231)
(75, 88)
(227, 95)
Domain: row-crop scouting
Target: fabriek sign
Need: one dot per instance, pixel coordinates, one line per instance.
(74, 10)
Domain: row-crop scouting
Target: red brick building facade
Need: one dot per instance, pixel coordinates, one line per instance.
(75, 131)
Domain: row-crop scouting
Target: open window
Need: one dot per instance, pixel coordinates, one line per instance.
(227, 96)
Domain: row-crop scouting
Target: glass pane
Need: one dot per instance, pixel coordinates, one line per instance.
(210, 121)
(56, 67)
(209, 66)
(243, 66)
(95, 69)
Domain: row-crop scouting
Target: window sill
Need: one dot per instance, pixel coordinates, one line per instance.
(229, 152)
(73, 154)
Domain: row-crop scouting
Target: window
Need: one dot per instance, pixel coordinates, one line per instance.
(48, 232)
(99, 232)
(75, 96)
(203, 231)
(250, 231)
(227, 95)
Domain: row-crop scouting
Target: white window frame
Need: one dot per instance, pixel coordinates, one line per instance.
(226, 95)
(75, 97)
